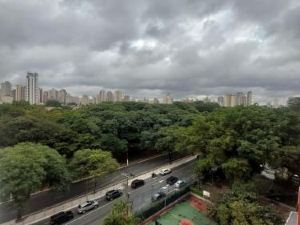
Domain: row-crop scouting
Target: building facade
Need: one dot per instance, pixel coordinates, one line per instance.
(6, 88)
(32, 90)
(20, 93)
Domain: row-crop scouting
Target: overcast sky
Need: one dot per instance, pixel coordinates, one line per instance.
(152, 47)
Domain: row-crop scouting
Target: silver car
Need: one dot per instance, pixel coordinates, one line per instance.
(88, 205)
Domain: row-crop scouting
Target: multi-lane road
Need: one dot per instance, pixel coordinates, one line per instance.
(140, 197)
(49, 198)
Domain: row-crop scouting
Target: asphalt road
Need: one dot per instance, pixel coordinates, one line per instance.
(49, 198)
(141, 197)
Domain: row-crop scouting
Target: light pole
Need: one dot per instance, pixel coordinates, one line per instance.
(126, 193)
(127, 160)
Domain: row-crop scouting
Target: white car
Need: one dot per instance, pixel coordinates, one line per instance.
(164, 189)
(88, 205)
(180, 184)
(165, 172)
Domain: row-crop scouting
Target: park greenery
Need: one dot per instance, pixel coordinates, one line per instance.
(239, 206)
(26, 168)
(49, 146)
(120, 215)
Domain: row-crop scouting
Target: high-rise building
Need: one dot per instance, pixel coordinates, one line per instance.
(249, 98)
(109, 96)
(41, 95)
(53, 94)
(6, 88)
(32, 90)
(20, 93)
(118, 96)
(221, 100)
(233, 100)
(126, 98)
(102, 96)
(72, 100)
(45, 96)
(84, 100)
(168, 99)
(13, 94)
(61, 96)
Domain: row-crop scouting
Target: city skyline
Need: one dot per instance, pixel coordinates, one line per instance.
(35, 94)
(185, 48)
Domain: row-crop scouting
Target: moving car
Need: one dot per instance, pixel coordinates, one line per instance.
(61, 217)
(180, 184)
(165, 189)
(157, 196)
(137, 183)
(113, 194)
(172, 180)
(165, 172)
(88, 205)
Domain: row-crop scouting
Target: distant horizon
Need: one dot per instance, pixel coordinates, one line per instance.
(281, 101)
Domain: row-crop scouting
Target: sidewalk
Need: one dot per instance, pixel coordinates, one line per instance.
(44, 214)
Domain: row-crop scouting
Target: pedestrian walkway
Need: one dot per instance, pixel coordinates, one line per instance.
(44, 214)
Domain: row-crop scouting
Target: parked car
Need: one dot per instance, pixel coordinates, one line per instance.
(172, 180)
(180, 184)
(137, 183)
(113, 194)
(157, 196)
(61, 217)
(88, 205)
(165, 172)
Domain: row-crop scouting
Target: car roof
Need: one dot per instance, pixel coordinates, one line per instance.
(57, 215)
(85, 203)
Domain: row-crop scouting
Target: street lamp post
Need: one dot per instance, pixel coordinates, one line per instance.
(126, 193)
(127, 160)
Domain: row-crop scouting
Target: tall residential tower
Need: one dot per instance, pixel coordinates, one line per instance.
(32, 89)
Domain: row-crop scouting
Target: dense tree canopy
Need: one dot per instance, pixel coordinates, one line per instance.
(117, 127)
(240, 207)
(94, 162)
(27, 167)
(235, 143)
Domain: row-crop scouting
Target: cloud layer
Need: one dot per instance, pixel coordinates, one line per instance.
(185, 47)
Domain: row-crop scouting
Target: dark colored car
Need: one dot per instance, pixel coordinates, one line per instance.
(113, 194)
(137, 183)
(172, 180)
(61, 217)
(157, 196)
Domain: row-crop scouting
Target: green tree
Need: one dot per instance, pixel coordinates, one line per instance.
(237, 141)
(26, 168)
(53, 103)
(240, 207)
(119, 216)
(92, 163)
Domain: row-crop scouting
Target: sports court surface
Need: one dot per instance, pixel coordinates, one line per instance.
(184, 214)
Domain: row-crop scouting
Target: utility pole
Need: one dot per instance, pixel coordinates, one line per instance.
(127, 194)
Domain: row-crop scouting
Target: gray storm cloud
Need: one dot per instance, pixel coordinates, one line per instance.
(184, 47)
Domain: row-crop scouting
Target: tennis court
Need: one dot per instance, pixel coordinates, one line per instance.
(184, 214)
